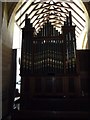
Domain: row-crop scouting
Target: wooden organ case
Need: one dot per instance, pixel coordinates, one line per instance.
(48, 62)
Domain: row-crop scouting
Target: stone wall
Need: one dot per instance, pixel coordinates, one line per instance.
(0, 62)
(7, 40)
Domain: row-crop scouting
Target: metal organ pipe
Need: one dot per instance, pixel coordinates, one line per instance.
(48, 51)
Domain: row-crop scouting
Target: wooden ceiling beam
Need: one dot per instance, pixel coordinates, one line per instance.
(77, 32)
(26, 10)
(41, 8)
(39, 13)
(39, 26)
(28, 15)
(59, 7)
(62, 6)
(74, 22)
(37, 16)
(48, 11)
(60, 14)
(59, 23)
(38, 20)
(20, 7)
(43, 21)
(78, 7)
(75, 12)
(75, 18)
(78, 28)
(60, 18)
(37, 3)
(46, 17)
(77, 21)
(55, 18)
(35, 13)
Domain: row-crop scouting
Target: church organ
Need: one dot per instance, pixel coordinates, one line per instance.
(48, 61)
(48, 52)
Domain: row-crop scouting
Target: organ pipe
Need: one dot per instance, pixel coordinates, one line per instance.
(49, 52)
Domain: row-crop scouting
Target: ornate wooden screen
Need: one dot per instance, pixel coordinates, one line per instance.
(48, 52)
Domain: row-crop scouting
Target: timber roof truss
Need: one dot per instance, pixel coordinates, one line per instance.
(39, 11)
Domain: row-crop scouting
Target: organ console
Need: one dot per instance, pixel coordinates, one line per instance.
(48, 60)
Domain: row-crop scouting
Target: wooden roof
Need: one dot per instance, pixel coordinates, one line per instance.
(39, 11)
